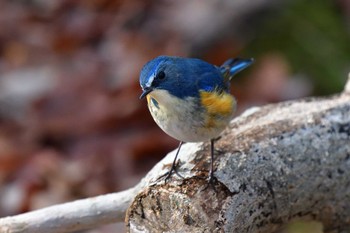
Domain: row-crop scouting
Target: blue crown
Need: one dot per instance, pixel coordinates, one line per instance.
(184, 77)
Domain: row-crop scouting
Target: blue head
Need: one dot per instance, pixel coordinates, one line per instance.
(184, 77)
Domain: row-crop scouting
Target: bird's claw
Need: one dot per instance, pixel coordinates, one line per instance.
(210, 181)
(168, 175)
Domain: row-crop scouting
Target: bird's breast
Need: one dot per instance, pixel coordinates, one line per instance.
(191, 119)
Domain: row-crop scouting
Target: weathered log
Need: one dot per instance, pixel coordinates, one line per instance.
(273, 164)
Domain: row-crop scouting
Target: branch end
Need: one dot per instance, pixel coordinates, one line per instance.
(347, 85)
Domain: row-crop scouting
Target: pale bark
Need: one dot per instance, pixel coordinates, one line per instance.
(72, 216)
(273, 164)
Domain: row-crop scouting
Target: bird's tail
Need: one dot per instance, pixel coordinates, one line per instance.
(233, 66)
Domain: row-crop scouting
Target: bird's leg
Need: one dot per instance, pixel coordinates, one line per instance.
(172, 170)
(211, 176)
(211, 171)
(173, 166)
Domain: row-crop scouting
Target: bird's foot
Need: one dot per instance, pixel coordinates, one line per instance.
(210, 181)
(166, 176)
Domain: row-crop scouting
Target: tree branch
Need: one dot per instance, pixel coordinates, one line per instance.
(273, 164)
(72, 216)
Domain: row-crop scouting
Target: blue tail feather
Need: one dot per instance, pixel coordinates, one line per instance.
(233, 66)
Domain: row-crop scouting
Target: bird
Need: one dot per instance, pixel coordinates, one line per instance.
(190, 99)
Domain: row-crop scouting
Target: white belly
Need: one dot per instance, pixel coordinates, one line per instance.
(184, 120)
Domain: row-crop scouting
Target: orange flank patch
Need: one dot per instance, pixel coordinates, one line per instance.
(148, 99)
(217, 103)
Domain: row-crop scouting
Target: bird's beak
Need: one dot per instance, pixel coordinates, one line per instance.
(145, 91)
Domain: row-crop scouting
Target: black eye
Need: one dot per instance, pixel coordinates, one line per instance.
(161, 75)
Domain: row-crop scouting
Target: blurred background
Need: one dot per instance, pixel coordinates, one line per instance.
(71, 123)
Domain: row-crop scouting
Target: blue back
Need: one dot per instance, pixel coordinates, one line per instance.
(184, 77)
